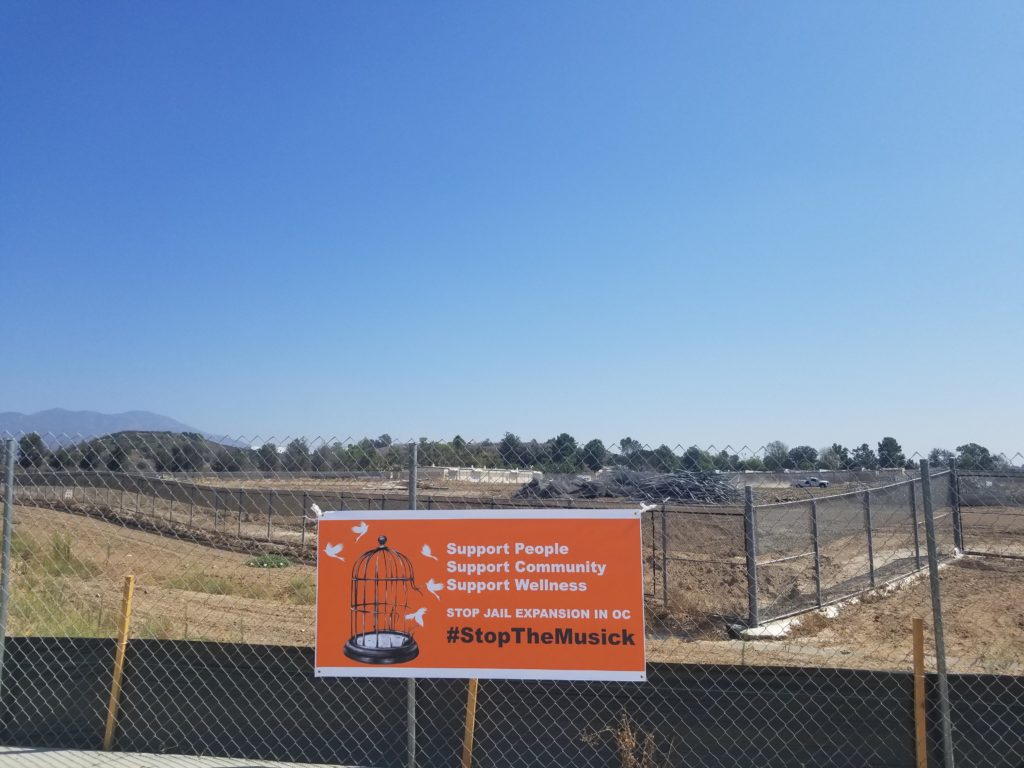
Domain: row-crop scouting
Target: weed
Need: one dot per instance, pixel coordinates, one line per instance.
(45, 606)
(24, 547)
(301, 590)
(60, 547)
(634, 747)
(154, 629)
(201, 582)
(60, 559)
(216, 585)
(268, 561)
(194, 636)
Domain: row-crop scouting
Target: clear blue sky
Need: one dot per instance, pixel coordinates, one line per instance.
(711, 223)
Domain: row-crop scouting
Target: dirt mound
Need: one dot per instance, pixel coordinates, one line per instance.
(679, 487)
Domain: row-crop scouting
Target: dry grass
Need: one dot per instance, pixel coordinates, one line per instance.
(634, 747)
(301, 590)
(67, 577)
(69, 584)
(197, 581)
(811, 623)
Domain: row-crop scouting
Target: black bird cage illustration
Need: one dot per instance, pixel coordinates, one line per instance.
(380, 632)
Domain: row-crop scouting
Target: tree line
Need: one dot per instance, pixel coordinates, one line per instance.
(191, 452)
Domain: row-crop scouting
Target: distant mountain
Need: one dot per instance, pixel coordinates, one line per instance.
(58, 426)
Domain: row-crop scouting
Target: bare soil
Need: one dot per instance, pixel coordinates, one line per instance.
(983, 615)
(389, 486)
(191, 590)
(184, 590)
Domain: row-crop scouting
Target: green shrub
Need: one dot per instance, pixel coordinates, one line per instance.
(268, 561)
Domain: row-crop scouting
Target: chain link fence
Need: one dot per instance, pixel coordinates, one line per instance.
(815, 552)
(778, 603)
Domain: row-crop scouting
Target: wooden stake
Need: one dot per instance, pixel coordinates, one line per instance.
(919, 713)
(122, 643)
(467, 737)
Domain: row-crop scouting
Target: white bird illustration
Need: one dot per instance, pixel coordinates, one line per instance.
(317, 512)
(648, 507)
(433, 587)
(417, 616)
(426, 552)
(361, 529)
(333, 550)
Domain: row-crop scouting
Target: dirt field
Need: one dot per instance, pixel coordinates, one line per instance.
(68, 574)
(765, 494)
(983, 609)
(68, 570)
(698, 561)
(389, 486)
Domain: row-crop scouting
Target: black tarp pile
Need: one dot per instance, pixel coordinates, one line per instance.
(681, 486)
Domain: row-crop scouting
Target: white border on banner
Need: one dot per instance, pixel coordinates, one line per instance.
(482, 514)
(483, 673)
(489, 673)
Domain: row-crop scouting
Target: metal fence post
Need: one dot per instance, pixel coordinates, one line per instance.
(410, 690)
(654, 558)
(240, 501)
(940, 641)
(817, 552)
(5, 579)
(954, 503)
(413, 474)
(305, 506)
(750, 545)
(917, 533)
(270, 512)
(664, 557)
(871, 544)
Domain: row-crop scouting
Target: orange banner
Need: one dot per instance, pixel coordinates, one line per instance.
(523, 594)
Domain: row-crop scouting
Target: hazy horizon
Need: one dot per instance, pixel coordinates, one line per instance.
(317, 438)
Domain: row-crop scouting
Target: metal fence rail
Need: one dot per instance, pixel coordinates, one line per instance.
(819, 551)
(770, 611)
(991, 506)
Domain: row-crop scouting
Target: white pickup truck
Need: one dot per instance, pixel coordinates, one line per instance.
(811, 482)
